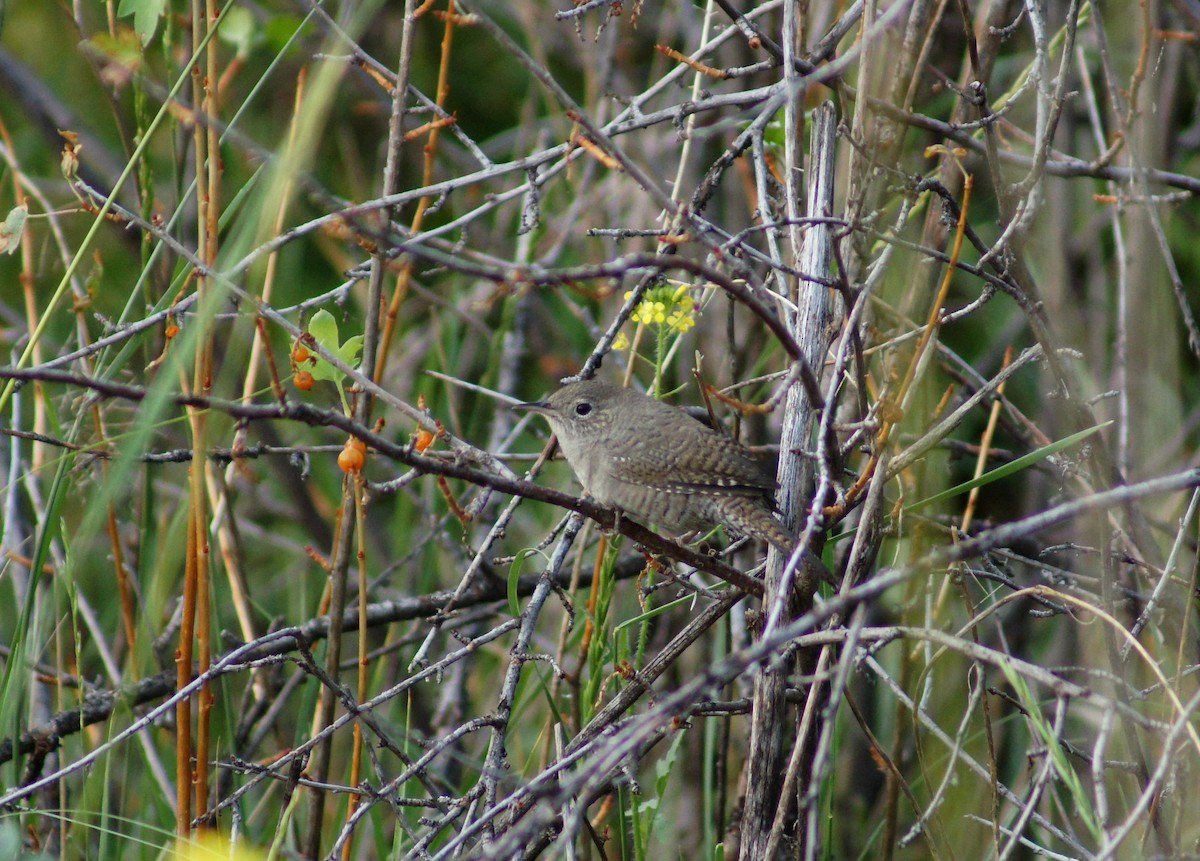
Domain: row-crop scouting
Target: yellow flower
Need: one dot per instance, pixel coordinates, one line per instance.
(669, 305)
(212, 847)
(681, 321)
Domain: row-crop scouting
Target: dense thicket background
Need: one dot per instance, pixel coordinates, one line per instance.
(309, 606)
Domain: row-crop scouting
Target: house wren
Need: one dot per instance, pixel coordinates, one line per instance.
(658, 465)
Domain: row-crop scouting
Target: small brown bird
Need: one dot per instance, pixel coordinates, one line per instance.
(658, 465)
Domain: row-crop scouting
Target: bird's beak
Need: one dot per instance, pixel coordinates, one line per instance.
(540, 407)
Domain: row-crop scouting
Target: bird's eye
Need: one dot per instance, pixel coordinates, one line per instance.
(582, 409)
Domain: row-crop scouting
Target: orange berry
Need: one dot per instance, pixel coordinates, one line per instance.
(424, 440)
(353, 456)
(172, 331)
(300, 354)
(303, 380)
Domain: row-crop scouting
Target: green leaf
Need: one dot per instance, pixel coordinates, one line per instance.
(652, 612)
(1078, 798)
(10, 840)
(239, 29)
(348, 352)
(12, 228)
(146, 14)
(650, 808)
(324, 329)
(650, 805)
(1009, 468)
(514, 577)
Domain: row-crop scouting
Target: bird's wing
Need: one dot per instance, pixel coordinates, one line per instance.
(697, 461)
